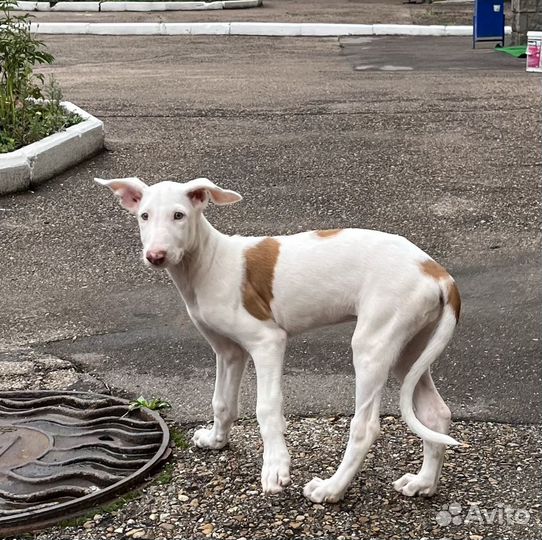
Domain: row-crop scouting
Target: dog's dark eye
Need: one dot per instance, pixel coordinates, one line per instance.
(178, 215)
(144, 216)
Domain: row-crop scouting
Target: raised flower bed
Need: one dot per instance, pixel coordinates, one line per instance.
(40, 135)
(41, 160)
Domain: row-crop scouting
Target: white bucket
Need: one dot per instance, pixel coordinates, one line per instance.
(534, 51)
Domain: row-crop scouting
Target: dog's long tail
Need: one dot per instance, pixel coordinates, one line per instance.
(442, 334)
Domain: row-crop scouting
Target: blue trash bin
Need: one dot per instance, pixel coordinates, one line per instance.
(488, 21)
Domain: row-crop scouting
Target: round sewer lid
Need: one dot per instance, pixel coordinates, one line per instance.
(64, 452)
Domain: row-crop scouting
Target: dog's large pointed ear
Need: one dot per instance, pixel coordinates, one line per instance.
(129, 191)
(200, 190)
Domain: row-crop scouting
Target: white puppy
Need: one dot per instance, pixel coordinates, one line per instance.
(246, 295)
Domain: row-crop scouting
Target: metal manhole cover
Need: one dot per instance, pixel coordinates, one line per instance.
(62, 452)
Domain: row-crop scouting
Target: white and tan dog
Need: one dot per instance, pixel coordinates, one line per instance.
(246, 295)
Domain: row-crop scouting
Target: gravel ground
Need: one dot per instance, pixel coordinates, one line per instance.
(493, 479)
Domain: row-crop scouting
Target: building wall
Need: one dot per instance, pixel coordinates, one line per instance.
(526, 15)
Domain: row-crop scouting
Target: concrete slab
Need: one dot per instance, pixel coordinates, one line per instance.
(14, 173)
(75, 6)
(138, 6)
(445, 156)
(253, 28)
(23, 369)
(53, 156)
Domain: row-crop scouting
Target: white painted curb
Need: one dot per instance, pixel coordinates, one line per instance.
(44, 159)
(252, 29)
(24, 5)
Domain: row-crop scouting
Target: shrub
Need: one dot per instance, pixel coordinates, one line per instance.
(29, 108)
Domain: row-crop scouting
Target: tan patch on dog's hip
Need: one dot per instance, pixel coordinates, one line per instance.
(436, 271)
(328, 232)
(260, 260)
(454, 299)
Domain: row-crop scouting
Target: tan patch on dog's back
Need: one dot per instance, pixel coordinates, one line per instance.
(260, 262)
(328, 232)
(436, 271)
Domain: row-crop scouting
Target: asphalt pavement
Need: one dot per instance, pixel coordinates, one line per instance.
(418, 136)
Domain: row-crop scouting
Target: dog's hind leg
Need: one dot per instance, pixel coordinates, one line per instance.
(431, 411)
(435, 414)
(375, 345)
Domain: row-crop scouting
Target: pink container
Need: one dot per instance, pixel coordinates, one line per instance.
(534, 51)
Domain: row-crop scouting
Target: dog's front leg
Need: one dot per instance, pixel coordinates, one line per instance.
(230, 364)
(268, 357)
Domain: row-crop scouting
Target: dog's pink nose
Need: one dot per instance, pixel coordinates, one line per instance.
(157, 257)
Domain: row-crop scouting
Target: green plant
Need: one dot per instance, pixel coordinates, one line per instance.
(20, 53)
(178, 438)
(154, 404)
(166, 474)
(7, 143)
(29, 108)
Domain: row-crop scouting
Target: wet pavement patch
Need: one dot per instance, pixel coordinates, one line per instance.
(64, 452)
(401, 53)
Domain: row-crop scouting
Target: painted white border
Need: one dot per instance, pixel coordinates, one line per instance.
(25, 5)
(251, 29)
(44, 159)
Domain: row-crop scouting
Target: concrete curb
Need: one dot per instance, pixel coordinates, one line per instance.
(40, 161)
(251, 29)
(137, 6)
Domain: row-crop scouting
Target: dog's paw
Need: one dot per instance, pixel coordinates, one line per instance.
(207, 438)
(414, 484)
(318, 490)
(275, 476)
